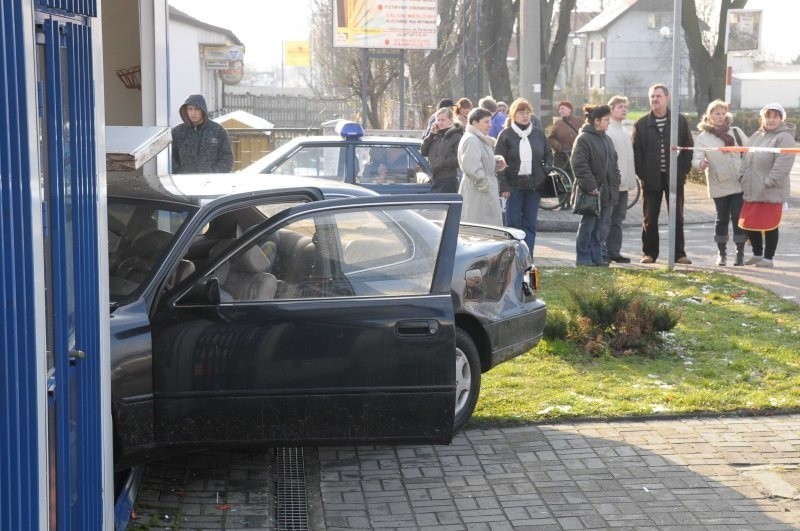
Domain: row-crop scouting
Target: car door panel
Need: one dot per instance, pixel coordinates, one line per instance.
(311, 370)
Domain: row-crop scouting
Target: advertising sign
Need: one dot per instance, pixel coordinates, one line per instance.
(296, 53)
(402, 24)
(743, 30)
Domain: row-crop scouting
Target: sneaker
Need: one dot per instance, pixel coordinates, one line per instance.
(620, 259)
(765, 262)
(685, 260)
(721, 259)
(753, 260)
(647, 259)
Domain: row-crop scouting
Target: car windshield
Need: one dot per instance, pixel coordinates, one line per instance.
(139, 234)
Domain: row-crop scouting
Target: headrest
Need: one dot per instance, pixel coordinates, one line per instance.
(251, 261)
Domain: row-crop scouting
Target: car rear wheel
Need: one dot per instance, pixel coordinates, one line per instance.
(468, 378)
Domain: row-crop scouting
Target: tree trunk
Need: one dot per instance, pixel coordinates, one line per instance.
(497, 22)
(709, 69)
(551, 63)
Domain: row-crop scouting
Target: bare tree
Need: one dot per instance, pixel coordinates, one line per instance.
(496, 29)
(709, 64)
(338, 71)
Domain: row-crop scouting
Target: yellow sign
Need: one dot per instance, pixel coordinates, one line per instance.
(296, 53)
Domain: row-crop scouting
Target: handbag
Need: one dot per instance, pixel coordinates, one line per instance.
(553, 186)
(586, 204)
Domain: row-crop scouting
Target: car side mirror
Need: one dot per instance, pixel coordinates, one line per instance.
(203, 292)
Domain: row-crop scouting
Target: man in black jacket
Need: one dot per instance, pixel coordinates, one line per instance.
(651, 158)
(200, 145)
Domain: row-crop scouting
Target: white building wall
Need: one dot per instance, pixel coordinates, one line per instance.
(187, 72)
(749, 93)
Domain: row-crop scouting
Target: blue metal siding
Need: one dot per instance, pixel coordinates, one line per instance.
(74, 7)
(19, 481)
(87, 329)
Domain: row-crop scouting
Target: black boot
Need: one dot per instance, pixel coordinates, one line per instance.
(739, 260)
(721, 255)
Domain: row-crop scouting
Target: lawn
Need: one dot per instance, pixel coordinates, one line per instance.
(736, 348)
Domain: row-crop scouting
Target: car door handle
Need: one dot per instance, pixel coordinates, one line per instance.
(417, 328)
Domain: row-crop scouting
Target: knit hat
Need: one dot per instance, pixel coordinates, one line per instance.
(565, 104)
(773, 107)
(447, 102)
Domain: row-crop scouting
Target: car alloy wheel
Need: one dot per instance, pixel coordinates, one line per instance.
(468, 378)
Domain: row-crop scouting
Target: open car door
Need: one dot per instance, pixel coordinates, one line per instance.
(329, 323)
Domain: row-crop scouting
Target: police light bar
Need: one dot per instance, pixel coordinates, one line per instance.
(347, 129)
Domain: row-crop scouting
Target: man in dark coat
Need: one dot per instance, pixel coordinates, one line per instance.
(200, 145)
(441, 148)
(651, 158)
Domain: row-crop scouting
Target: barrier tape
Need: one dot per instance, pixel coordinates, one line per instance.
(741, 149)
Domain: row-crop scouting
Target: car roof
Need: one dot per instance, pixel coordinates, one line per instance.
(197, 189)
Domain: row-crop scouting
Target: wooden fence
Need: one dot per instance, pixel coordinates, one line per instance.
(292, 111)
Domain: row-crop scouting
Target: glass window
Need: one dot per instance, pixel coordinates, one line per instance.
(326, 162)
(355, 252)
(385, 164)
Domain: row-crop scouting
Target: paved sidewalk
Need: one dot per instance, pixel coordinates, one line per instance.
(712, 473)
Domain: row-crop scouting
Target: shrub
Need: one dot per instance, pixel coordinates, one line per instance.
(610, 320)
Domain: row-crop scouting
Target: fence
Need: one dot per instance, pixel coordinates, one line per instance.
(292, 111)
(249, 145)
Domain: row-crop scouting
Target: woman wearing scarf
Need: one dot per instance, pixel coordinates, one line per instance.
(477, 162)
(594, 162)
(723, 171)
(525, 149)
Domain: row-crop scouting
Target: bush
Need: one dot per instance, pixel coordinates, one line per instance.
(610, 320)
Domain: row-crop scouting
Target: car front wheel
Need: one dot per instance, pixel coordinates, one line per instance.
(468, 378)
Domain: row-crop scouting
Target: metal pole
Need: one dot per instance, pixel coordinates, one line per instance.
(530, 56)
(478, 50)
(464, 54)
(673, 130)
(364, 81)
(402, 89)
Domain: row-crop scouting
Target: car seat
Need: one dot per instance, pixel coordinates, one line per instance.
(244, 277)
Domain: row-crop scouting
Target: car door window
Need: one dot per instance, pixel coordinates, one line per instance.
(326, 162)
(353, 253)
(387, 164)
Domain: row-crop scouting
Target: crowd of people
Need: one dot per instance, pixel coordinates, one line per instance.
(498, 158)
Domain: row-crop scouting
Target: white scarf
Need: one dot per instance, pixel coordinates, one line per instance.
(486, 139)
(525, 153)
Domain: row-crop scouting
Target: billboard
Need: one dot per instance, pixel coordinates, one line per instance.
(402, 24)
(743, 30)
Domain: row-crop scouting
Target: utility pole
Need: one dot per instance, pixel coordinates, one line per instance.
(530, 53)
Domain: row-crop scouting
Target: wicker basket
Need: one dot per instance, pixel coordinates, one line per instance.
(131, 77)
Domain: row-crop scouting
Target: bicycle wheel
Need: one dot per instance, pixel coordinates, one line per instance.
(633, 195)
(562, 183)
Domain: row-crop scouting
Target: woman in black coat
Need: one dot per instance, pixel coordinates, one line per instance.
(441, 148)
(525, 150)
(594, 162)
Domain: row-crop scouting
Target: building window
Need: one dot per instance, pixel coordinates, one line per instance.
(602, 80)
(591, 79)
(591, 50)
(602, 50)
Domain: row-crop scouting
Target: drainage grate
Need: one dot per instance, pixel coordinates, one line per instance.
(290, 497)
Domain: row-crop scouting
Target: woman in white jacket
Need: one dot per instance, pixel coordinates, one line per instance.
(723, 173)
(477, 162)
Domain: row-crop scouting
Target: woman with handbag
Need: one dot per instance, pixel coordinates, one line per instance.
(594, 162)
(525, 150)
(765, 183)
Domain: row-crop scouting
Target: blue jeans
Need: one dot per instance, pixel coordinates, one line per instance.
(589, 242)
(522, 211)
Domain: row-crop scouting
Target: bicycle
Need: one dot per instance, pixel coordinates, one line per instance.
(563, 183)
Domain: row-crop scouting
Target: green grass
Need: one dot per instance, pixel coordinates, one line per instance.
(735, 348)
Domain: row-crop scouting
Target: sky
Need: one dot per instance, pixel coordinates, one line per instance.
(262, 25)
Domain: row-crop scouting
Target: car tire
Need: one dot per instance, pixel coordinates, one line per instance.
(468, 378)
